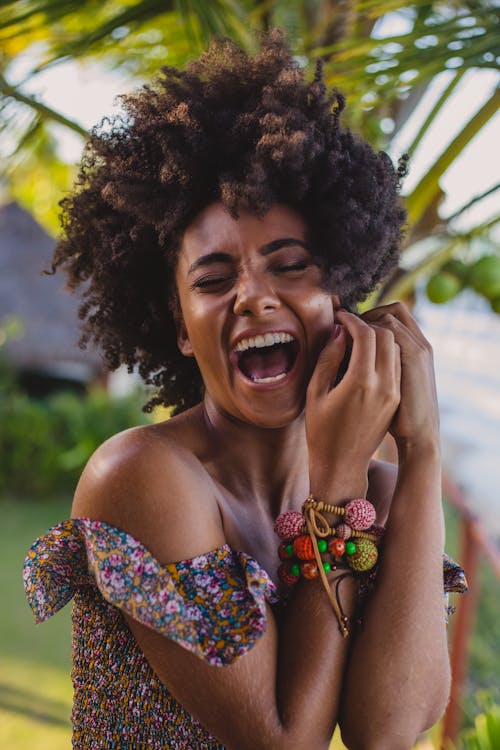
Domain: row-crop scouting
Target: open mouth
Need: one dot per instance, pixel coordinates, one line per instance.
(267, 358)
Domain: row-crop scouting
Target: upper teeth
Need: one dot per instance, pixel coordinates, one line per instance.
(268, 339)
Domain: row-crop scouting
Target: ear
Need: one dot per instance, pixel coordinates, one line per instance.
(183, 341)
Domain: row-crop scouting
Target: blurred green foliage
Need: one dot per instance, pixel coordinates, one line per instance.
(485, 734)
(45, 443)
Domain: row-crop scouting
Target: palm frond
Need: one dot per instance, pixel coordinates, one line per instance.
(423, 193)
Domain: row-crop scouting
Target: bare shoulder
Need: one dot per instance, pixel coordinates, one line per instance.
(382, 477)
(146, 482)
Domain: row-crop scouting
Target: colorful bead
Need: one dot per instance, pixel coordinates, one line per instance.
(377, 530)
(322, 545)
(365, 556)
(360, 514)
(343, 531)
(289, 525)
(285, 550)
(309, 570)
(295, 570)
(303, 548)
(327, 567)
(350, 548)
(287, 575)
(336, 547)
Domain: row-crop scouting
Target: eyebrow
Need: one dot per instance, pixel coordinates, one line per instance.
(267, 249)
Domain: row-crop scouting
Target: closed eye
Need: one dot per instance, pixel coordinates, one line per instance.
(209, 283)
(301, 266)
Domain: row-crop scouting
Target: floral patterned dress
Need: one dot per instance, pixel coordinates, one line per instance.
(214, 605)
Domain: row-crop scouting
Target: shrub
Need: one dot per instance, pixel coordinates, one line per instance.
(45, 443)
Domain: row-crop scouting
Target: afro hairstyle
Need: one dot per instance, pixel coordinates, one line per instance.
(246, 130)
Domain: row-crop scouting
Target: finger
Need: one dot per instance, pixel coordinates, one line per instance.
(401, 313)
(387, 349)
(403, 336)
(397, 370)
(363, 343)
(328, 364)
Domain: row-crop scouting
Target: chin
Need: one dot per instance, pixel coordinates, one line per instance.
(272, 418)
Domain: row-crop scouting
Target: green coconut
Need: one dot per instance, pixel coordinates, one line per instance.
(485, 276)
(443, 286)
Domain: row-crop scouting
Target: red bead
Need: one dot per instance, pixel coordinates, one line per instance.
(285, 550)
(287, 575)
(303, 548)
(377, 530)
(289, 525)
(360, 514)
(309, 570)
(336, 547)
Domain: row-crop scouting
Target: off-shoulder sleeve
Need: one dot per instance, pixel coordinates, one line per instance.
(212, 605)
(455, 582)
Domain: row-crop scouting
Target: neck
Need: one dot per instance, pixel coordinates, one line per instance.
(268, 467)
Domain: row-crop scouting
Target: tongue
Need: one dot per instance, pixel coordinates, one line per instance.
(264, 363)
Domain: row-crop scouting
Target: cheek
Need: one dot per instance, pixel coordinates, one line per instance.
(319, 309)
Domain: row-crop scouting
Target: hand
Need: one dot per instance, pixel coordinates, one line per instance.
(417, 418)
(345, 423)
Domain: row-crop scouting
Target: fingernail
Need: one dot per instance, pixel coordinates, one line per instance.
(337, 330)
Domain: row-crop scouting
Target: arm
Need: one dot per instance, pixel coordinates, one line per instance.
(398, 676)
(284, 692)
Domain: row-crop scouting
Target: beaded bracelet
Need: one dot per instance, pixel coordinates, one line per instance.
(305, 535)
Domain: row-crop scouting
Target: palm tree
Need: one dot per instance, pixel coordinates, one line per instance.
(383, 55)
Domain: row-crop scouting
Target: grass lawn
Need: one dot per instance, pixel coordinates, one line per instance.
(35, 686)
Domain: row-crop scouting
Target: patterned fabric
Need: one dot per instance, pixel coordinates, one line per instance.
(454, 582)
(213, 605)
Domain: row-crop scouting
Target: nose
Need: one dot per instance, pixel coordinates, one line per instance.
(255, 296)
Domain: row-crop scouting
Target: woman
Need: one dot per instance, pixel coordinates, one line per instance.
(221, 229)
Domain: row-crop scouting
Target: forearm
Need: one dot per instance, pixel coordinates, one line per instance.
(398, 673)
(312, 657)
(312, 650)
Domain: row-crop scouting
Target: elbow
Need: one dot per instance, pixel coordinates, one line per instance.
(380, 743)
(363, 737)
(393, 732)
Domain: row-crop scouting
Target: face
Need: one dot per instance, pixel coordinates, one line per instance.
(254, 313)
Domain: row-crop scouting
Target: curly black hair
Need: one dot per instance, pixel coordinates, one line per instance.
(246, 130)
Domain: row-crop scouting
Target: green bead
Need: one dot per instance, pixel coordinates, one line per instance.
(295, 569)
(327, 567)
(322, 545)
(289, 550)
(350, 548)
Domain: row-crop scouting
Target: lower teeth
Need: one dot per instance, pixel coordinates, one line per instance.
(272, 379)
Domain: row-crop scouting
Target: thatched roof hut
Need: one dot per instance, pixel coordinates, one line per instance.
(49, 341)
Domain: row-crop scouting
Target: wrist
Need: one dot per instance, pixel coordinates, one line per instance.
(422, 449)
(334, 486)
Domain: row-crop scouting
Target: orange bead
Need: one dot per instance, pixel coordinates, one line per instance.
(336, 547)
(302, 547)
(309, 570)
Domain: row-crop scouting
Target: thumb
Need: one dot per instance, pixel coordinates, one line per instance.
(328, 362)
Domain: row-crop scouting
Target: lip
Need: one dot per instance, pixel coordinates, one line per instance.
(251, 333)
